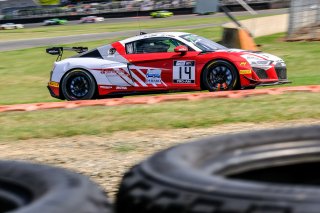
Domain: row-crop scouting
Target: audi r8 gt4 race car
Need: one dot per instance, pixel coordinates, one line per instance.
(161, 14)
(167, 61)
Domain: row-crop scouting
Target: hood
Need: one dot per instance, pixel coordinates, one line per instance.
(256, 55)
(257, 58)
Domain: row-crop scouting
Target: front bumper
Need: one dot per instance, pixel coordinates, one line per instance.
(275, 75)
(274, 83)
(267, 82)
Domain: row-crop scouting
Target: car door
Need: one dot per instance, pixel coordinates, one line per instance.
(154, 61)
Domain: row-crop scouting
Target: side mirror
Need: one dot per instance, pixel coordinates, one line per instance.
(181, 49)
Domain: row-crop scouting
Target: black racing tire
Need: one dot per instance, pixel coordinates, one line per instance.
(78, 84)
(262, 172)
(33, 188)
(220, 75)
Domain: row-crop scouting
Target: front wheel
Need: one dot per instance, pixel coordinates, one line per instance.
(78, 85)
(220, 75)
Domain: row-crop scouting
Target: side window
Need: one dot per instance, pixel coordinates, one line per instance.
(152, 45)
(129, 48)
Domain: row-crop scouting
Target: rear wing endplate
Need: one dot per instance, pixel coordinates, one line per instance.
(59, 50)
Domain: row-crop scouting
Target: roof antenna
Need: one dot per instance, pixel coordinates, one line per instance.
(141, 33)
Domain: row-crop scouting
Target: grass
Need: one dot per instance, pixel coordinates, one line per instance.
(24, 73)
(192, 114)
(124, 147)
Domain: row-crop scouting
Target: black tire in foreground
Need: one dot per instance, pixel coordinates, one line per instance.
(32, 188)
(274, 171)
(78, 84)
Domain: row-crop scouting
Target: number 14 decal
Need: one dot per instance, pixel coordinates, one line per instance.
(184, 72)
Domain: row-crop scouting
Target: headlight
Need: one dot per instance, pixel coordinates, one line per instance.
(261, 62)
(257, 61)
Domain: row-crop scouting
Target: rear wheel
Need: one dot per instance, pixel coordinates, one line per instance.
(220, 75)
(78, 85)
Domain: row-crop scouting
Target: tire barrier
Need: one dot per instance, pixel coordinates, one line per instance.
(157, 99)
(33, 188)
(266, 171)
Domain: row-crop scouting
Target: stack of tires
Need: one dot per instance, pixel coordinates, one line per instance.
(274, 171)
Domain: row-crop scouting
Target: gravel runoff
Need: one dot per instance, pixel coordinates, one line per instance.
(106, 158)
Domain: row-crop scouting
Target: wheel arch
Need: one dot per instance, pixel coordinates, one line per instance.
(218, 59)
(78, 68)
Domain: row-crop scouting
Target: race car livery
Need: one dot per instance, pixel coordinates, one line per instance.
(11, 26)
(91, 19)
(55, 21)
(161, 14)
(167, 61)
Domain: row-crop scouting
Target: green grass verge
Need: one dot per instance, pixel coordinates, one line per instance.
(191, 114)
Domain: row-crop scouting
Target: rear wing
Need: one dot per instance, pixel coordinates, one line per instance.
(59, 51)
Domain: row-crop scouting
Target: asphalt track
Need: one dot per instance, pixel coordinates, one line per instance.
(39, 42)
(157, 99)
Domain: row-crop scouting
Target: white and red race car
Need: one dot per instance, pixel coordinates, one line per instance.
(168, 61)
(91, 19)
(11, 26)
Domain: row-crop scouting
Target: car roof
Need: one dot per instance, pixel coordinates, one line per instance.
(153, 35)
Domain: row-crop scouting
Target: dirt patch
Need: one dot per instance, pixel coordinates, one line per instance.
(308, 33)
(106, 158)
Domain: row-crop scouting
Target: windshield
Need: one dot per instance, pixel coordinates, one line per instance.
(203, 43)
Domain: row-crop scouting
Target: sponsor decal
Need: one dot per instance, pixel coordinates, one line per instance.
(184, 72)
(243, 64)
(153, 76)
(106, 87)
(107, 71)
(53, 84)
(244, 72)
(122, 88)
